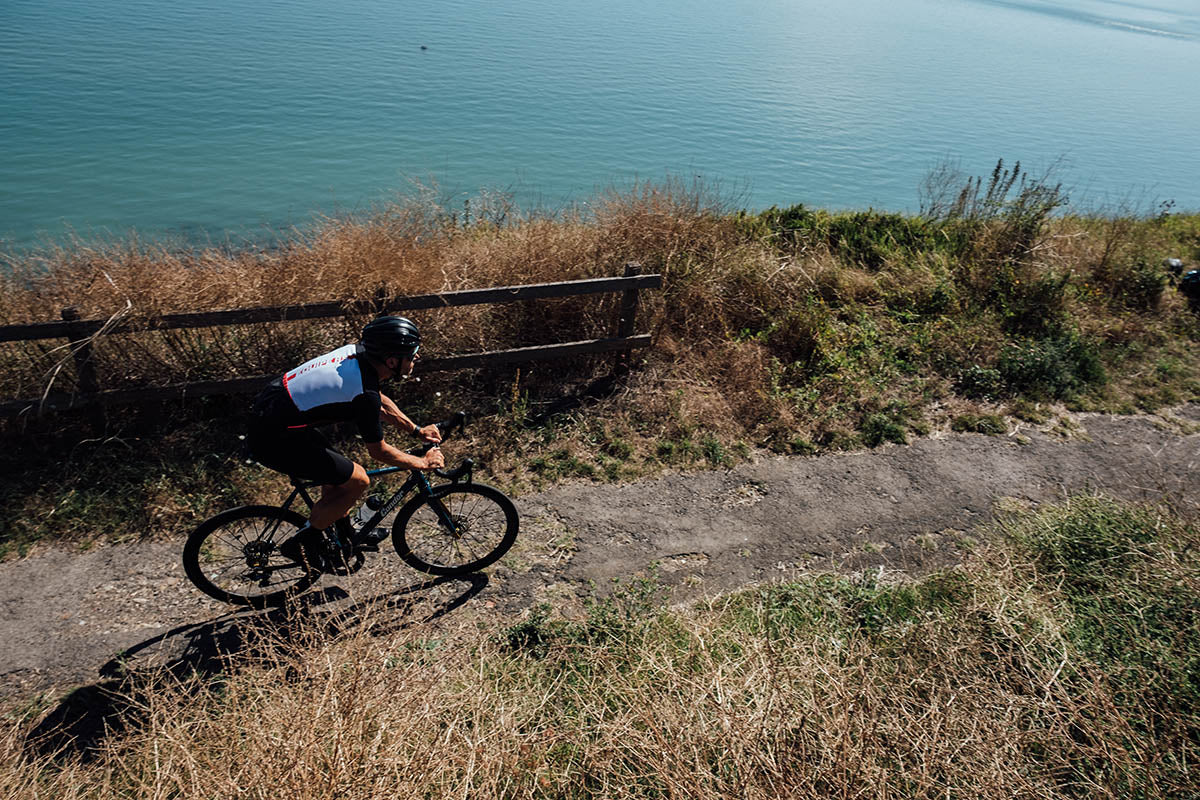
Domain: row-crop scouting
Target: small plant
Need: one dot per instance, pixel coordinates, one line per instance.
(617, 615)
(618, 448)
(990, 424)
(531, 635)
(715, 453)
(1052, 368)
(1029, 411)
(879, 428)
(561, 463)
(979, 382)
(1138, 286)
(800, 445)
(677, 451)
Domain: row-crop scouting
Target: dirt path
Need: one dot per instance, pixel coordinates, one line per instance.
(69, 618)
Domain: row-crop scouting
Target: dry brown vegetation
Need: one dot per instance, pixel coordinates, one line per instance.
(794, 330)
(1060, 663)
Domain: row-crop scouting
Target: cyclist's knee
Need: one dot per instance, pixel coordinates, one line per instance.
(359, 480)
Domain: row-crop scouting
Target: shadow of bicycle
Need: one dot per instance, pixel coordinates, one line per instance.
(84, 719)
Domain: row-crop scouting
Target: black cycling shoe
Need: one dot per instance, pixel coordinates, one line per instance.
(304, 548)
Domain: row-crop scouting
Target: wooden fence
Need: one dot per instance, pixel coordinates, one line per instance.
(79, 333)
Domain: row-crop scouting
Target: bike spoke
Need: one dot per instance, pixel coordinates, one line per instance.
(226, 559)
(481, 526)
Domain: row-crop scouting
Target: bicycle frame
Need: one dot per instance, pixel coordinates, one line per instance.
(416, 480)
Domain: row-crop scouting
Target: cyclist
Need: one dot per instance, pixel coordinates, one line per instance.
(339, 386)
(1189, 284)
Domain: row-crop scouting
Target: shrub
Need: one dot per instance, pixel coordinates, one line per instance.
(1035, 304)
(1136, 285)
(796, 341)
(879, 428)
(991, 224)
(870, 239)
(867, 239)
(980, 382)
(1053, 367)
(786, 228)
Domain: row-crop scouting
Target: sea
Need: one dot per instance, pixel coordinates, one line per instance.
(231, 122)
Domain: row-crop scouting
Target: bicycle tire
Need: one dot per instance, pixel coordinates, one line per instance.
(490, 520)
(217, 558)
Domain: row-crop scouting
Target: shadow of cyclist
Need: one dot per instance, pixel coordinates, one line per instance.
(82, 720)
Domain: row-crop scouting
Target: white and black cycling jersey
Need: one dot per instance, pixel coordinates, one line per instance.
(335, 387)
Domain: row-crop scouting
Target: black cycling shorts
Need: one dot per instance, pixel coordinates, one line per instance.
(299, 452)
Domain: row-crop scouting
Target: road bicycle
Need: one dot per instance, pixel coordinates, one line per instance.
(452, 528)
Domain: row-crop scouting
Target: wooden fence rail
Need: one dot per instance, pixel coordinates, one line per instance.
(79, 333)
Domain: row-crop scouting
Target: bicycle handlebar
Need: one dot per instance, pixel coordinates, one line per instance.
(445, 427)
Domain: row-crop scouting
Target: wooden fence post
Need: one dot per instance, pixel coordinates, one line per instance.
(627, 321)
(85, 369)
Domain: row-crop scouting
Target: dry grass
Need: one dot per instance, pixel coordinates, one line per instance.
(986, 681)
(791, 330)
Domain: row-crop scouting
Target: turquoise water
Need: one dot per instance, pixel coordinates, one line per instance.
(220, 119)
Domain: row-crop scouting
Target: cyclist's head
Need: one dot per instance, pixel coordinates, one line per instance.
(390, 337)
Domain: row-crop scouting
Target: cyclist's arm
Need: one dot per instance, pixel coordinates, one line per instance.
(390, 412)
(384, 452)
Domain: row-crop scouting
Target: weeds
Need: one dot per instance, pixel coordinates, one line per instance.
(1051, 368)
(880, 428)
(1059, 661)
(793, 330)
(990, 424)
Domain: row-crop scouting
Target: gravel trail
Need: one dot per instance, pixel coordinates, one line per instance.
(72, 618)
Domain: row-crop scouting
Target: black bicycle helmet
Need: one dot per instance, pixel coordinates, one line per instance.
(388, 336)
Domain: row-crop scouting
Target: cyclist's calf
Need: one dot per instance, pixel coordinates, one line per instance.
(336, 501)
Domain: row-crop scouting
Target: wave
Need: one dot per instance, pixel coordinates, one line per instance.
(1088, 17)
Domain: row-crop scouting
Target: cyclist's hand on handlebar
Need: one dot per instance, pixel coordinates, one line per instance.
(430, 433)
(433, 459)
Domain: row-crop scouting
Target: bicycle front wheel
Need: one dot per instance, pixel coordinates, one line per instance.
(459, 529)
(235, 557)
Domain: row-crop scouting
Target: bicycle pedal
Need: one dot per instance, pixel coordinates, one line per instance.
(368, 547)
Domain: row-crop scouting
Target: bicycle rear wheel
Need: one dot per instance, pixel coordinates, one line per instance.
(460, 529)
(235, 557)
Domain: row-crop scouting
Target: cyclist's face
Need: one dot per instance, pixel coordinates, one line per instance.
(404, 364)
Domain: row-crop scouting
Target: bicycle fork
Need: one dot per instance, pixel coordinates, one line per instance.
(439, 508)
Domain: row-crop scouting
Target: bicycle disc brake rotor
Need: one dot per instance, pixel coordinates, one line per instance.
(257, 554)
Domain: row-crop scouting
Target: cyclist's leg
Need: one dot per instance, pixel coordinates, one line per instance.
(305, 453)
(342, 480)
(337, 499)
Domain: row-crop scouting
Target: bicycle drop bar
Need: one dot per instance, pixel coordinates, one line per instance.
(446, 427)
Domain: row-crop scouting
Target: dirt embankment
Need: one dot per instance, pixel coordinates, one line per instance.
(74, 618)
